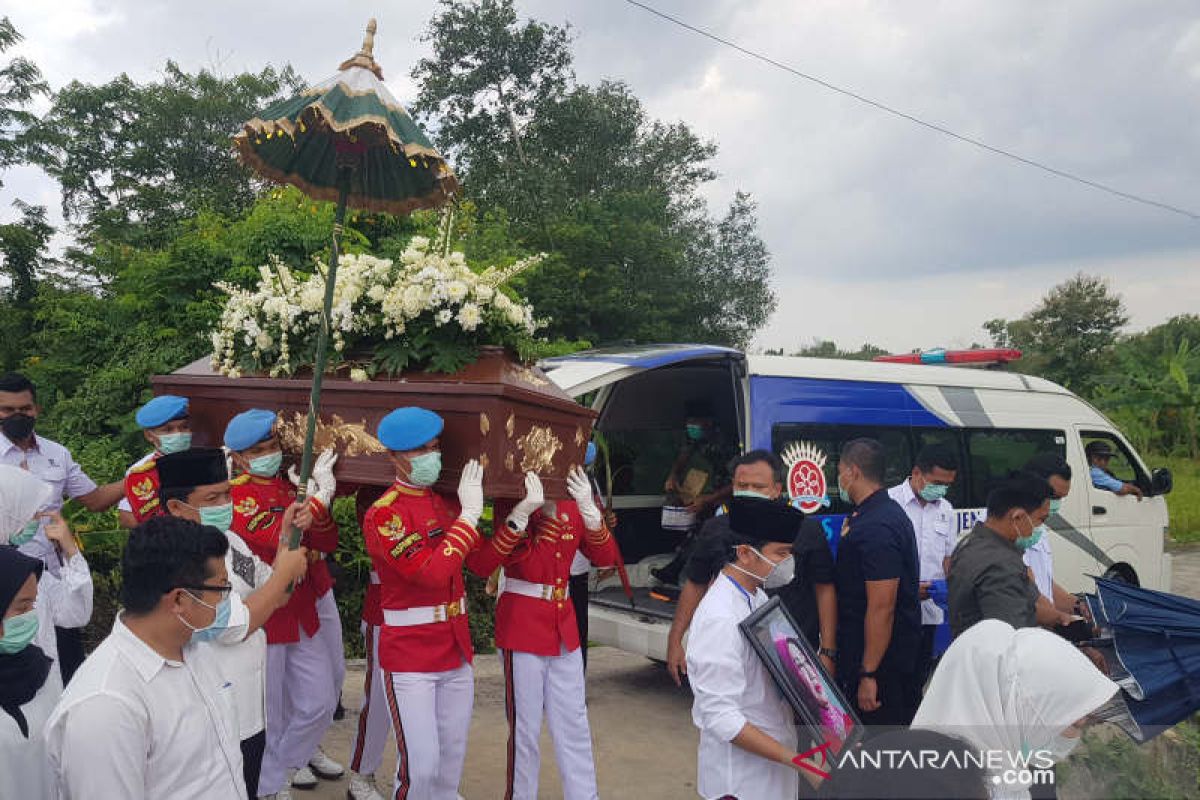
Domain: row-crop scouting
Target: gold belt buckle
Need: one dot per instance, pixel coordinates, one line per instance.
(453, 609)
(559, 593)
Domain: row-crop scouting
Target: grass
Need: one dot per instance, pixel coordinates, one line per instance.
(1111, 766)
(1184, 500)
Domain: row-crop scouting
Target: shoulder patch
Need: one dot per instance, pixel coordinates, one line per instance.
(240, 480)
(387, 499)
(412, 544)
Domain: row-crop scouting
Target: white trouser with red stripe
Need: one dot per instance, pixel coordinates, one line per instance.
(431, 715)
(299, 708)
(374, 724)
(551, 687)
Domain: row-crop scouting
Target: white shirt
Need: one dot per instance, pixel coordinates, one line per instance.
(1040, 558)
(244, 660)
(23, 761)
(63, 600)
(53, 463)
(580, 564)
(730, 687)
(934, 525)
(124, 504)
(136, 726)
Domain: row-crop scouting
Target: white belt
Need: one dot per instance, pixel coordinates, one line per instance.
(425, 615)
(375, 577)
(538, 591)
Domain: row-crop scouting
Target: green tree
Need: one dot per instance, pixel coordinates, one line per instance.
(22, 259)
(20, 83)
(1069, 336)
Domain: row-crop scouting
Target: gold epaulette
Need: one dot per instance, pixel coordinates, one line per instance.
(240, 480)
(387, 499)
(145, 466)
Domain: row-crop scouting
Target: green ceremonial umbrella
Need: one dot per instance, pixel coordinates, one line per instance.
(348, 140)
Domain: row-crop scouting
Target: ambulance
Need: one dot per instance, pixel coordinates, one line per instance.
(996, 420)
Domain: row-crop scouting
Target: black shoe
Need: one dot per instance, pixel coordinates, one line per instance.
(339, 713)
(665, 575)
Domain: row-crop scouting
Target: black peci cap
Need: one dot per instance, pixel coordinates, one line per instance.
(200, 466)
(764, 520)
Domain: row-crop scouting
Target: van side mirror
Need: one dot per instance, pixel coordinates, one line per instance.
(1161, 481)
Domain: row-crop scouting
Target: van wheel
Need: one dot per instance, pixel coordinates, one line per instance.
(1123, 573)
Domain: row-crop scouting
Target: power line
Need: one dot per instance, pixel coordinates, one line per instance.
(933, 126)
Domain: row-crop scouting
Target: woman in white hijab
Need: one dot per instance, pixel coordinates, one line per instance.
(1023, 692)
(64, 596)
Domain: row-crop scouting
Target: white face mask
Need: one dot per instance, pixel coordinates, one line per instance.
(781, 573)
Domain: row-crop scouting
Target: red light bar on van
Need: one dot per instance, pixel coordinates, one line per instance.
(940, 356)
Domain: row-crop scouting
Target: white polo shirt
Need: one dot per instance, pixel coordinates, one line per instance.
(1040, 559)
(934, 525)
(137, 726)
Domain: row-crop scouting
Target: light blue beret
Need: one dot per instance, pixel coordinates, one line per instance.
(249, 428)
(409, 428)
(589, 457)
(161, 410)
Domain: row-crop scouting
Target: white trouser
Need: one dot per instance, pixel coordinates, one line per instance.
(366, 751)
(331, 634)
(299, 708)
(549, 686)
(431, 715)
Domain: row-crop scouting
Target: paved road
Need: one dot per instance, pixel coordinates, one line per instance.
(642, 730)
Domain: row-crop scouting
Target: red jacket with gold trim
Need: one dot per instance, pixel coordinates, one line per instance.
(542, 555)
(141, 489)
(258, 506)
(417, 544)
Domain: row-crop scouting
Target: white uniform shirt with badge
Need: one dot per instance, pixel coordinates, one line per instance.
(53, 463)
(1040, 558)
(137, 726)
(244, 661)
(730, 687)
(934, 525)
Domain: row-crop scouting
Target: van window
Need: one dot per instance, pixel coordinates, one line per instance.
(1123, 466)
(829, 440)
(994, 453)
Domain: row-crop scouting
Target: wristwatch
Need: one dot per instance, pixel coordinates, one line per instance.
(828, 652)
(872, 674)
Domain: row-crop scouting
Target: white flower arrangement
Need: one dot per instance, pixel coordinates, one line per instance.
(429, 310)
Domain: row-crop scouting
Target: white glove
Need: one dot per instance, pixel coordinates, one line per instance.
(470, 493)
(518, 519)
(580, 489)
(322, 484)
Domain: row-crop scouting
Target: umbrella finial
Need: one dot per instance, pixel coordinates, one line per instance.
(365, 57)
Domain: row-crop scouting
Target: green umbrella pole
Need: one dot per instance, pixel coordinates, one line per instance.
(314, 399)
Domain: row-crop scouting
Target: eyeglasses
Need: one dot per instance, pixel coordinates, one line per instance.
(206, 588)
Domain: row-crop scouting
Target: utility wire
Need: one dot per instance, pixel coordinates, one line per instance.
(933, 126)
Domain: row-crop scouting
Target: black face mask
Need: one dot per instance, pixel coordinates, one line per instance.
(17, 427)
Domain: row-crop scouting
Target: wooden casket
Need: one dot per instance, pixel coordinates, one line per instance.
(509, 416)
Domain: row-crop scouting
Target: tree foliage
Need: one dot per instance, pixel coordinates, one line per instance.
(20, 84)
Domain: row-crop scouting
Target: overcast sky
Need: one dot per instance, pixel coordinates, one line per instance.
(879, 230)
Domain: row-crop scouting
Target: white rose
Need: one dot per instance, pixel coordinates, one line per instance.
(359, 375)
(456, 291)
(484, 293)
(469, 316)
(263, 340)
(443, 316)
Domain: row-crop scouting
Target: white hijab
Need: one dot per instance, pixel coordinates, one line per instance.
(1011, 690)
(22, 495)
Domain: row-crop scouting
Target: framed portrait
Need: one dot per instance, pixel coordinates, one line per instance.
(797, 671)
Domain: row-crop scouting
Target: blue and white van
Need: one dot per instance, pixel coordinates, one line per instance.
(996, 421)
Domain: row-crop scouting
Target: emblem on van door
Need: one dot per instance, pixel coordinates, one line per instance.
(806, 476)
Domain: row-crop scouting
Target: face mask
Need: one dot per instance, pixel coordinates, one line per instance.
(17, 427)
(749, 493)
(1055, 505)
(932, 492)
(219, 517)
(781, 573)
(19, 632)
(842, 493)
(425, 468)
(695, 432)
(266, 466)
(1026, 542)
(174, 443)
(25, 534)
(220, 620)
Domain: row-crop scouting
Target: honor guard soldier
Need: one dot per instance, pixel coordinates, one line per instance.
(536, 631)
(418, 540)
(300, 693)
(165, 424)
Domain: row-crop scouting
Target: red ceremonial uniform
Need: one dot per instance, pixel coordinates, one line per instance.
(418, 544)
(258, 506)
(528, 624)
(141, 489)
(372, 608)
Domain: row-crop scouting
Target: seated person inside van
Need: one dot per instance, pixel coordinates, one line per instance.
(1099, 454)
(699, 480)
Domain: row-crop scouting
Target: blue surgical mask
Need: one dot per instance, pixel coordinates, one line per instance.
(1035, 536)
(695, 432)
(749, 493)
(25, 534)
(19, 631)
(219, 517)
(1055, 505)
(219, 624)
(266, 466)
(843, 494)
(932, 492)
(174, 443)
(425, 468)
